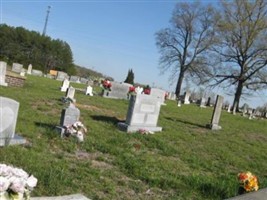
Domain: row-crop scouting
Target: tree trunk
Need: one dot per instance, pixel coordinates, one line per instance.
(179, 84)
(238, 94)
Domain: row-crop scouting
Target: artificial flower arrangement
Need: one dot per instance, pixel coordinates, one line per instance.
(15, 183)
(132, 91)
(77, 130)
(144, 132)
(106, 84)
(247, 182)
(147, 90)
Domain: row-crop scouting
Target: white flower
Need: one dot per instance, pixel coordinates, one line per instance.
(17, 185)
(5, 170)
(4, 184)
(31, 182)
(20, 173)
(79, 136)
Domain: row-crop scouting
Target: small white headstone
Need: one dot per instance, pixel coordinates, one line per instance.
(3, 73)
(29, 71)
(65, 85)
(89, 91)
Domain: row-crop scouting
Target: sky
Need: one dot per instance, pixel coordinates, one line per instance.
(108, 36)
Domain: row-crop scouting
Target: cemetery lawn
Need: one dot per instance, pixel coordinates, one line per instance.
(184, 161)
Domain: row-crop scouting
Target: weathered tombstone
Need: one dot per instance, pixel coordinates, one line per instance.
(70, 93)
(229, 108)
(84, 80)
(214, 125)
(259, 195)
(118, 91)
(245, 109)
(143, 113)
(69, 116)
(36, 72)
(3, 73)
(29, 71)
(75, 79)
(61, 76)
(65, 85)
(186, 97)
(203, 103)
(179, 103)
(16, 67)
(89, 91)
(208, 102)
(172, 96)
(158, 94)
(8, 119)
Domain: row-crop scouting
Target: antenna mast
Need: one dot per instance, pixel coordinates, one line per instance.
(46, 20)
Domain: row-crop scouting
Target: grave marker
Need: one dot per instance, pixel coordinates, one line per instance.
(65, 85)
(89, 91)
(214, 125)
(8, 120)
(3, 73)
(143, 113)
(16, 67)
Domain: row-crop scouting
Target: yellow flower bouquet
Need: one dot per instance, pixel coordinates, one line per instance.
(247, 182)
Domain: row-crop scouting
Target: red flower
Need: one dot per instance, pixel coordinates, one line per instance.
(131, 89)
(147, 91)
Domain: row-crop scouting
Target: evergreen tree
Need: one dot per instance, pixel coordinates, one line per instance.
(130, 77)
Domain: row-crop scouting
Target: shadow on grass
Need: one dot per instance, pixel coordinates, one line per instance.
(107, 119)
(187, 122)
(51, 128)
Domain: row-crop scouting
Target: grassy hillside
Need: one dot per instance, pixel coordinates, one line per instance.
(184, 161)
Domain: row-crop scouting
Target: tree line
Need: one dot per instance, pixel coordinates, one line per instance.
(29, 47)
(222, 46)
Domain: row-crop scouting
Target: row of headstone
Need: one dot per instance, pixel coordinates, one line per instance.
(66, 85)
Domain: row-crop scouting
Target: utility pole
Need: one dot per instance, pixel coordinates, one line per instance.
(46, 20)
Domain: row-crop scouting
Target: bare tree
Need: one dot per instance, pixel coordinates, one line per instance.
(243, 48)
(183, 46)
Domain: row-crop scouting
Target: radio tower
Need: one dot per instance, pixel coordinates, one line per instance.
(46, 20)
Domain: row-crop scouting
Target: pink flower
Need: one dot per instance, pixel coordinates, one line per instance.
(18, 185)
(4, 184)
(31, 182)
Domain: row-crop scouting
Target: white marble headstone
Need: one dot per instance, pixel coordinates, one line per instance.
(3, 73)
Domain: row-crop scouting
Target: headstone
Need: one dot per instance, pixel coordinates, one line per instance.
(214, 125)
(69, 115)
(75, 79)
(203, 103)
(70, 93)
(172, 96)
(118, 91)
(36, 72)
(61, 76)
(65, 85)
(259, 195)
(53, 73)
(229, 108)
(65, 197)
(179, 103)
(29, 71)
(84, 80)
(89, 91)
(208, 102)
(8, 120)
(158, 94)
(143, 113)
(3, 73)
(186, 97)
(50, 76)
(16, 67)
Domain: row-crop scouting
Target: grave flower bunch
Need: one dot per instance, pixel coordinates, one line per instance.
(106, 84)
(77, 130)
(131, 91)
(15, 183)
(248, 182)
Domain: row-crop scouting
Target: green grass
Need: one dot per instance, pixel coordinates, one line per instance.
(184, 161)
